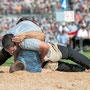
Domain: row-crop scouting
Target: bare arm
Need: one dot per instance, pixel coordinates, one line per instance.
(33, 34)
(43, 48)
(37, 45)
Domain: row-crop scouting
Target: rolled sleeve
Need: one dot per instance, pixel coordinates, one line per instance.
(30, 44)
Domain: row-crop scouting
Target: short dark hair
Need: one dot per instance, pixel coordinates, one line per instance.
(26, 19)
(7, 41)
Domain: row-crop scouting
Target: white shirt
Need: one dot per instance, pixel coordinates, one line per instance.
(60, 28)
(26, 26)
(66, 29)
(89, 33)
(82, 33)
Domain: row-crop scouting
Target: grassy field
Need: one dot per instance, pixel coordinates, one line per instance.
(9, 61)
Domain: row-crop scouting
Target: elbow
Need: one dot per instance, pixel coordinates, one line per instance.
(43, 47)
(46, 47)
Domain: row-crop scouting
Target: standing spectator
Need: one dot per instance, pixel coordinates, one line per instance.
(78, 17)
(82, 35)
(89, 32)
(72, 33)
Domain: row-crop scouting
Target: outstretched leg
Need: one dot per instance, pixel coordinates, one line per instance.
(69, 53)
(4, 56)
(63, 66)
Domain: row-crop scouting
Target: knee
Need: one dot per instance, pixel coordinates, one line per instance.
(18, 65)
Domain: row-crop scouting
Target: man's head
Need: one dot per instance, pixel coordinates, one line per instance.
(8, 44)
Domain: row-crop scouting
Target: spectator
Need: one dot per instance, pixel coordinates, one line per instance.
(73, 27)
(65, 27)
(82, 33)
(52, 39)
(19, 9)
(63, 38)
(82, 36)
(78, 17)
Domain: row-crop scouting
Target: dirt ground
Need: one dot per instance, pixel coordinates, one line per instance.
(22, 80)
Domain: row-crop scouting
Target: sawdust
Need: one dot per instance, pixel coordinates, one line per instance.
(23, 80)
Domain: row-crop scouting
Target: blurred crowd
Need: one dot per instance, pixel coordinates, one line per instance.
(62, 33)
(70, 34)
(41, 6)
(26, 6)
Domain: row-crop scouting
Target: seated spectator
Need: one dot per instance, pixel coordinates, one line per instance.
(60, 28)
(63, 27)
(19, 8)
(75, 5)
(73, 27)
(63, 38)
(52, 39)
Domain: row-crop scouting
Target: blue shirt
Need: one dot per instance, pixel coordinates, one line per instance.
(63, 38)
(31, 60)
(73, 28)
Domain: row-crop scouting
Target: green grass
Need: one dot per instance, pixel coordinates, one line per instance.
(10, 61)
